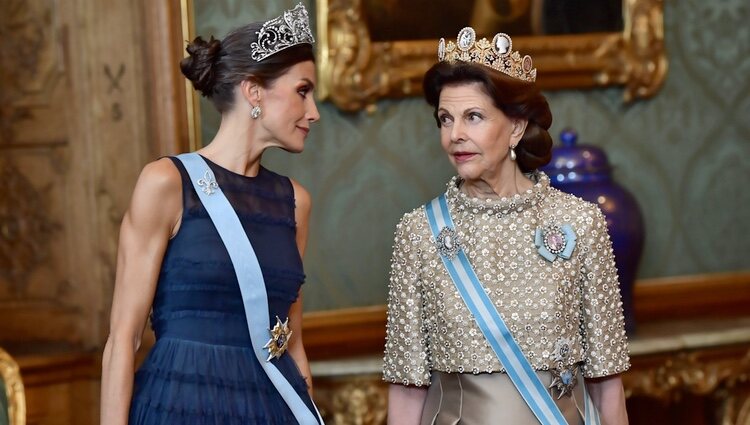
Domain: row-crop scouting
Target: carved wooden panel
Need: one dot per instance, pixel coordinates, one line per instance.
(34, 279)
(72, 140)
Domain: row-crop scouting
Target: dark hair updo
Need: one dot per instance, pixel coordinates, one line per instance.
(215, 67)
(515, 98)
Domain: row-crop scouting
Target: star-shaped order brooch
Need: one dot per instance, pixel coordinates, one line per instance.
(279, 341)
(564, 377)
(554, 241)
(564, 380)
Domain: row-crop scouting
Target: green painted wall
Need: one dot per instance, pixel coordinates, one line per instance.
(684, 154)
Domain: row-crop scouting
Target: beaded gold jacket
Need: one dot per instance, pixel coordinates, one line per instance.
(561, 313)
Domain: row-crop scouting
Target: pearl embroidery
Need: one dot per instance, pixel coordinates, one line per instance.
(575, 300)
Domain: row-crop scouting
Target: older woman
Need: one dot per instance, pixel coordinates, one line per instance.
(503, 304)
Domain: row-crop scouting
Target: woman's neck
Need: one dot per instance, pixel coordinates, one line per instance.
(234, 147)
(503, 184)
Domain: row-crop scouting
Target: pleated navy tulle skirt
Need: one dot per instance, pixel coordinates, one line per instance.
(202, 369)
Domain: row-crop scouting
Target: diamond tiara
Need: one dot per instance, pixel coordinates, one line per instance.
(498, 55)
(289, 29)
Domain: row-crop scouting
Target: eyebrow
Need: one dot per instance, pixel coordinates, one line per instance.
(467, 110)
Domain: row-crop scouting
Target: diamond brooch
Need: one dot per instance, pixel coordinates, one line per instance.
(279, 341)
(448, 243)
(562, 349)
(208, 183)
(554, 241)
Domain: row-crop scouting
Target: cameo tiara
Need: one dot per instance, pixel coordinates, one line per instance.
(289, 29)
(498, 55)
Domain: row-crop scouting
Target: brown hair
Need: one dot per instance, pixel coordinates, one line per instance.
(215, 67)
(515, 98)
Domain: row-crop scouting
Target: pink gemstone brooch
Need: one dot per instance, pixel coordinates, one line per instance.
(554, 241)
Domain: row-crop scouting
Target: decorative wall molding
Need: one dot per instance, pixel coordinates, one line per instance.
(692, 297)
(61, 386)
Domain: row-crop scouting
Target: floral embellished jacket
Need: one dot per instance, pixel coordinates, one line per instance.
(545, 259)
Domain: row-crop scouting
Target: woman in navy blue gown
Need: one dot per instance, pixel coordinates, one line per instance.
(173, 262)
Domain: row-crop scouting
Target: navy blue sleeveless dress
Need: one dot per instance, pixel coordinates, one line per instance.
(202, 370)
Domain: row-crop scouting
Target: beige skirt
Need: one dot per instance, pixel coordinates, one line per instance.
(466, 399)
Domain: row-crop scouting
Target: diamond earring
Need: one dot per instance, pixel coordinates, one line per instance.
(512, 152)
(255, 112)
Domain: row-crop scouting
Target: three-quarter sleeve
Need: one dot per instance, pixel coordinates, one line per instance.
(603, 321)
(406, 359)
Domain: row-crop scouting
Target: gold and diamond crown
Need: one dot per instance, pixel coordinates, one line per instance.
(497, 55)
(289, 29)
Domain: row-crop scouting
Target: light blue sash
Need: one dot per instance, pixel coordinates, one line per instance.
(493, 327)
(249, 276)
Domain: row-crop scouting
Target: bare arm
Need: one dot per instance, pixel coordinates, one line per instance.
(145, 231)
(296, 347)
(405, 404)
(609, 398)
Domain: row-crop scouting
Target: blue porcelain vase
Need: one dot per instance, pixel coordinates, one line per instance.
(584, 171)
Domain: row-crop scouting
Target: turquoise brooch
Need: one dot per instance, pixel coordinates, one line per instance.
(554, 241)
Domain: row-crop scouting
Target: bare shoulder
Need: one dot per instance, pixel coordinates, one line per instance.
(302, 198)
(160, 175)
(158, 191)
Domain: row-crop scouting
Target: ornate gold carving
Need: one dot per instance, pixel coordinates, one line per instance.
(735, 406)
(353, 400)
(11, 376)
(355, 71)
(359, 403)
(645, 60)
(697, 372)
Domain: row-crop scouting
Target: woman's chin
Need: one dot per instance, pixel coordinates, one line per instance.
(293, 147)
(467, 172)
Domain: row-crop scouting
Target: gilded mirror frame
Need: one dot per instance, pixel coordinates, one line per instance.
(10, 375)
(355, 72)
